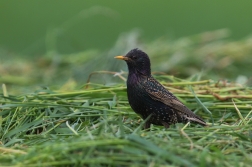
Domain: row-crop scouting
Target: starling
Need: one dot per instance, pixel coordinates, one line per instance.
(148, 98)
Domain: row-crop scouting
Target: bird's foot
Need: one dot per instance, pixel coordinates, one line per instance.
(166, 125)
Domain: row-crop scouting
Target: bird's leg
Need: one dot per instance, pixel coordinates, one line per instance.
(147, 125)
(166, 125)
(147, 122)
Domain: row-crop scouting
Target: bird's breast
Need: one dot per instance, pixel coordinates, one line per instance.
(137, 96)
(134, 88)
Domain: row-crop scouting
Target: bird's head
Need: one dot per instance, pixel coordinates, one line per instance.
(137, 61)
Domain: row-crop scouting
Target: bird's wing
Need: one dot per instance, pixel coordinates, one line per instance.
(157, 92)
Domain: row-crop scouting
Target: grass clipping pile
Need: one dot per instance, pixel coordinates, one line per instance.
(95, 126)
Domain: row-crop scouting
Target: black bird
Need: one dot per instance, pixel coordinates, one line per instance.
(148, 97)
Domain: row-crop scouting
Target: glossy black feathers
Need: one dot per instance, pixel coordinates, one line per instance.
(148, 97)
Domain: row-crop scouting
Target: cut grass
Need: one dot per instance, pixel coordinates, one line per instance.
(96, 127)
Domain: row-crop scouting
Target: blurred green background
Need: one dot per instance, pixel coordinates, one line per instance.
(97, 24)
(44, 42)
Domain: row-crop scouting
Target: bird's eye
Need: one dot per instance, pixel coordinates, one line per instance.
(134, 57)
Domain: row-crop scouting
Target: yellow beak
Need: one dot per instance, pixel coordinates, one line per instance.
(121, 57)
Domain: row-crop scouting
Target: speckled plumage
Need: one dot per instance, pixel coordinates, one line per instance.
(148, 97)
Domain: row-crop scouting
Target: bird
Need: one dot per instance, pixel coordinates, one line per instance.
(150, 99)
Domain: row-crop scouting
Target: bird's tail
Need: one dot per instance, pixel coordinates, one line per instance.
(197, 120)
